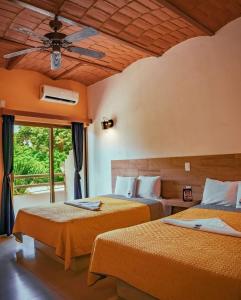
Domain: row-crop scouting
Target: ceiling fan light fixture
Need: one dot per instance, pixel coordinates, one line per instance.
(55, 59)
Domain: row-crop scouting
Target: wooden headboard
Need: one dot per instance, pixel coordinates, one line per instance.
(173, 175)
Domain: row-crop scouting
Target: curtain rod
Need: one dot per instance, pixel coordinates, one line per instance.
(6, 111)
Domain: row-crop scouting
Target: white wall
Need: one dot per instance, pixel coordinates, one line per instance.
(69, 177)
(187, 102)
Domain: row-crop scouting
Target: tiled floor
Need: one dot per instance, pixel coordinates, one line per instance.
(26, 274)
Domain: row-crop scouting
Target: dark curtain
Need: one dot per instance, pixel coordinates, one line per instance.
(77, 141)
(7, 213)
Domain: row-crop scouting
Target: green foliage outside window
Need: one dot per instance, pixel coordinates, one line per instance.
(31, 153)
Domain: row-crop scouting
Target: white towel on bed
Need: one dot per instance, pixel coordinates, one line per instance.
(90, 205)
(214, 225)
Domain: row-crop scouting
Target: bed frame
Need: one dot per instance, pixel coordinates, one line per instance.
(128, 292)
(78, 264)
(81, 263)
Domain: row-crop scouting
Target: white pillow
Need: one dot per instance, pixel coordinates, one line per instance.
(148, 187)
(238, 203)
(220, 192)
(125, 186)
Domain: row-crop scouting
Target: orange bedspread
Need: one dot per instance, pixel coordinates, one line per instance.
(71, 230)
(173, 263)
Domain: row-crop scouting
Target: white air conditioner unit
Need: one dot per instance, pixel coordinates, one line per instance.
(58, 95)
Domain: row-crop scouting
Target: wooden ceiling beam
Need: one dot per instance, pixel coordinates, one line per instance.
(78, 60)
(91, 63)
(11, 63)
(185, 16)
(66, 72)
(13, 43)
(81, 23)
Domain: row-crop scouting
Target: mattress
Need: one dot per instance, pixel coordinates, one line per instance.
(71, 230)
(170, 262)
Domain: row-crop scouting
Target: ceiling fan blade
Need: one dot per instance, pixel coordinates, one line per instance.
(32, 33)
(81, 35)
(87, 52)
(22, 52)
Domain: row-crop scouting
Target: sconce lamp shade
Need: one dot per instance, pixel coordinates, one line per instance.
(106, 124)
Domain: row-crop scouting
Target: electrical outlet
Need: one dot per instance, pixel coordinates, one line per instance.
(187, 167)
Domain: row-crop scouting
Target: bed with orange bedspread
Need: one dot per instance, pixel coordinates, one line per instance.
(71, 230)
(170, 262)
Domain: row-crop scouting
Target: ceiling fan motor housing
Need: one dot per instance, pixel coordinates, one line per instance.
(55, 24)
(56, 48)
(56, 38)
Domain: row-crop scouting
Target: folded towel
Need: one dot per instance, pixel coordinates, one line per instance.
(90, 205)
(214, 225)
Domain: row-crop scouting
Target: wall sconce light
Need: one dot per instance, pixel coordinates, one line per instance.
(106, 124)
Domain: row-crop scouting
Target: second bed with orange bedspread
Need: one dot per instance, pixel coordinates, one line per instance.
(170, 262)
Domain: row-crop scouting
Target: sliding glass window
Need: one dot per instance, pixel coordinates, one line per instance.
(42, 157)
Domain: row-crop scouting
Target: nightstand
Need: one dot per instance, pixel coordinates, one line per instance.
(179, 205)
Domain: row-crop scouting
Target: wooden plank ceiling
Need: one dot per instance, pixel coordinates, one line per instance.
(129, 30)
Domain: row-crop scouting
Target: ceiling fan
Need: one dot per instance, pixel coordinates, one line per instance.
(55, 41)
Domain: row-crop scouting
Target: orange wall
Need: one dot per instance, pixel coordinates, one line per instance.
(20, 91)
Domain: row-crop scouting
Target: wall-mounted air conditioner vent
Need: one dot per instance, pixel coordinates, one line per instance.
(58, 95)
